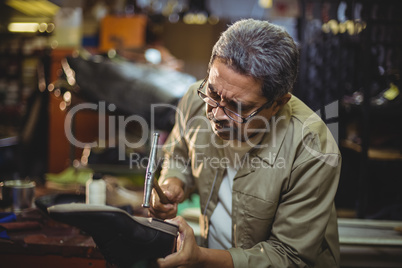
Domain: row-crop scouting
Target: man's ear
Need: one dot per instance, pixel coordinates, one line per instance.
(280, 102)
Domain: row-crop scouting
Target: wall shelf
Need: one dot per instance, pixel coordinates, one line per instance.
(381, 154)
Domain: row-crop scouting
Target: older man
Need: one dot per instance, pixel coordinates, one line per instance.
(265, 166)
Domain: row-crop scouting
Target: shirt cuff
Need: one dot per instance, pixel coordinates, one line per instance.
(239, 258)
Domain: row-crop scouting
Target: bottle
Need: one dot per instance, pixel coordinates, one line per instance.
(96, 190)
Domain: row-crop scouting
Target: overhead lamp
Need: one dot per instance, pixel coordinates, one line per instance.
(23, 27)
(34, 7)
(50, 27)
(265, 3)
(42, 27)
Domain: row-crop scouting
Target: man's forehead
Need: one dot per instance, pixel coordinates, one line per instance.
(234, 86)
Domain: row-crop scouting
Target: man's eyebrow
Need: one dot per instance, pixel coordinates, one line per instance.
(244, 105)
(237, 104)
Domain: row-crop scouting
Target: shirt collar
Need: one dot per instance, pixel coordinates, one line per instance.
(274, 138)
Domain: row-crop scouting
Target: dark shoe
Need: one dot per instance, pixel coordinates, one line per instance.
(46, 201)
(122, 239)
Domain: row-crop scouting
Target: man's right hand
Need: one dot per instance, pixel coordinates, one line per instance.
(173, 189)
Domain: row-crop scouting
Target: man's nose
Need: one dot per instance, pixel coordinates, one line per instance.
(219, 114)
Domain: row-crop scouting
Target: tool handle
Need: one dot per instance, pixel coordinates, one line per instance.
(162, 197)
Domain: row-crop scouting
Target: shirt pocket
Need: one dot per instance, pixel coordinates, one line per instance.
(256, 220)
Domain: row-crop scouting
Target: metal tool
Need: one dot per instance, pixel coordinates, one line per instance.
(150, 181)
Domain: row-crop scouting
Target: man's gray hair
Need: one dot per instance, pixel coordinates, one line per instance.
(261, 50)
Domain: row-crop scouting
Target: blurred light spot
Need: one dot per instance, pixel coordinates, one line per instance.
(195, 18)
(265, 3)
(325, 28)
(57, 93)
(333, 25)
(42, 86)
(213, 19)
(42, 27)
(71, 80)
(63, 105)
(84, 160)
(153, 56)
(111, 53)
(76, 163)
(188, 18)
(350, 27)
(67, 96)
(201, 18)
(54, 44)
(23, 27)
(50, 27)
(174, 18)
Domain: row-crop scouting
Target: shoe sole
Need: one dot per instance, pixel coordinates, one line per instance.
(122, 239)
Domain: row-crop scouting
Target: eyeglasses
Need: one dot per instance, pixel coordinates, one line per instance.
(232, 115)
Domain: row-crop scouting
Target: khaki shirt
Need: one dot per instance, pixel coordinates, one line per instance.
(283, 212)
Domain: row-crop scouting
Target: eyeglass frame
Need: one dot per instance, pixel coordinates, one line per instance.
(244, 119)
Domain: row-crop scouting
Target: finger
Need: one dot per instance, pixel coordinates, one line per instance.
(154, 197)
(168, 261)
(163, 212)
(177, 194)
(163, 207)
(157, 213)
(168, 193)
(177, 258)
(173, 192)
(156, 202)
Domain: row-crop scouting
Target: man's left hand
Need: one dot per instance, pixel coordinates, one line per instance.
(188, 252)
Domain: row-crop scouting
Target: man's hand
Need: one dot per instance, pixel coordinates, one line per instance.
(173, 189)
(189, 254)
(188, 251)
